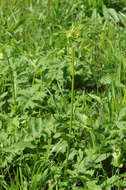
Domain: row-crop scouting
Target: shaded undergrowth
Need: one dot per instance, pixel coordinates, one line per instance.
(62, 95)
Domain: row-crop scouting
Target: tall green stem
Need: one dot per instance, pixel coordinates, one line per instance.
(118, 179)
(72, 93)
(71, 115)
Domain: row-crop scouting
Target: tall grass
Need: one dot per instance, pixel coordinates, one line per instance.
(62, 95)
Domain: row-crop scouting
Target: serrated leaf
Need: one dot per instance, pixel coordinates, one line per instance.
(102, 157)
(20, 146)
(106, 79)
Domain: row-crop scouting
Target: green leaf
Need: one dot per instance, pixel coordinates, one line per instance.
(3, 95)
(97, 98)
(122, 18)
(20, 146)
(114, 14)
(80, 155)
(72, 154)
(106, 79)
(110, 181)
(122, 115)
(102, 157)
(15, 26)
(92, 186)
(61, 146)
(57, 135)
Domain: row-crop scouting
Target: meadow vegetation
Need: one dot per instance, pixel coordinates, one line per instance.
(62, 95)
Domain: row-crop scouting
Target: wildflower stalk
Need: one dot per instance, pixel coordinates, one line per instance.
(72, 93)
(118, 179)
(71, 114)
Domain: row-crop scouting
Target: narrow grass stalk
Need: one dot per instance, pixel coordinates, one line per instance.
(71, 114)
(14, 86)
(33, 80)
(41, 79)
(118, 179)
(72, 93)
(21, 178)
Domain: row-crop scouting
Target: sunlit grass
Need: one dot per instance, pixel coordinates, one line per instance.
(62, 95)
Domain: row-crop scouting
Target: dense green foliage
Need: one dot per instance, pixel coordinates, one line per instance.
(62, 95)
